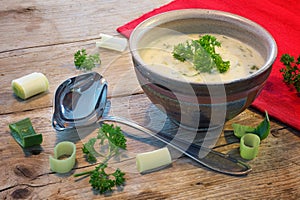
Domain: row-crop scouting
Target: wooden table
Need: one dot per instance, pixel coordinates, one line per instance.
(42, 36)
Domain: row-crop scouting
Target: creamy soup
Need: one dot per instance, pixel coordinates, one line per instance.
(244, 59)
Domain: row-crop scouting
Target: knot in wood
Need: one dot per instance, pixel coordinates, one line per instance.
(23, 171)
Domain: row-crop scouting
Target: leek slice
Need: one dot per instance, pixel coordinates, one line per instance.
(249, 145)
(241, 130)
(23, 132)
(30, 85)
(113, 43)
(63, 165)
(153, 160)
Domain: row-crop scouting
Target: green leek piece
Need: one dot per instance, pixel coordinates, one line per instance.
(241, 130)
(24, 134)
(63, 165)
(249, 145)
(262, 130)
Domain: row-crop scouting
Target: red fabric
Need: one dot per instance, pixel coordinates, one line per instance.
(281, 18)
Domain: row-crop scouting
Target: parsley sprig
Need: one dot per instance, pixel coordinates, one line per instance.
(100, 180)
(84, 61)
(202, 54)
(291, 72)
(89, 150)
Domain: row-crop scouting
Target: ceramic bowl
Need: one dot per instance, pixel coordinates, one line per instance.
(202, 105)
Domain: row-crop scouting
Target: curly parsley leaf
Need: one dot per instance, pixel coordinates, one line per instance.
(114, 136)
(99, 179)
(89, 150)
(291, 72)
(102, 182)
(183, 52)
(79, 57)
(202, 54)
(119, 177)
(84, 61)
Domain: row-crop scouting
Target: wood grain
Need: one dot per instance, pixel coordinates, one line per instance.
(43, 36)
(35, 23)
(275, 170)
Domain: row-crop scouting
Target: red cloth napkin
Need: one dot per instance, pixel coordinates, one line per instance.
(281, 18)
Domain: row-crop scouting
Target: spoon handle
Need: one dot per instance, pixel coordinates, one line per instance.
(214, 160)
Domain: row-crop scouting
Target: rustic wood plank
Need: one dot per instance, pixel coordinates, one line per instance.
(27, 173)
(56, 62)
(43, 37)
(37, 23)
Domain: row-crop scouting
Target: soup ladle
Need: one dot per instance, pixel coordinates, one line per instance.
(80, 101)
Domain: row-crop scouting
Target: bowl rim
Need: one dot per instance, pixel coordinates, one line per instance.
(154, 21)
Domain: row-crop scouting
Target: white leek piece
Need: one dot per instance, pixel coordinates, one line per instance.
(110, 42)
(63, 149)
(150, 161)
(30, 85)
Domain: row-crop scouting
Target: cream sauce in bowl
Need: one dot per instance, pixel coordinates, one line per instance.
(244, 60)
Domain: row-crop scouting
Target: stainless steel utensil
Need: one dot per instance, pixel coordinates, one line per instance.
(80, 102)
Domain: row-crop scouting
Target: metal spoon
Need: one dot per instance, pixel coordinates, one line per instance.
(80, 102)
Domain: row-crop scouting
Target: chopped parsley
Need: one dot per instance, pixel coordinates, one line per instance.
(201, 53)
(84, 61)
(291, 72)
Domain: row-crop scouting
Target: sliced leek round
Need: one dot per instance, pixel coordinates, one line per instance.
(110, 42)
(30, 85)
(150, 161)
(66, 149)
(249, 145)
